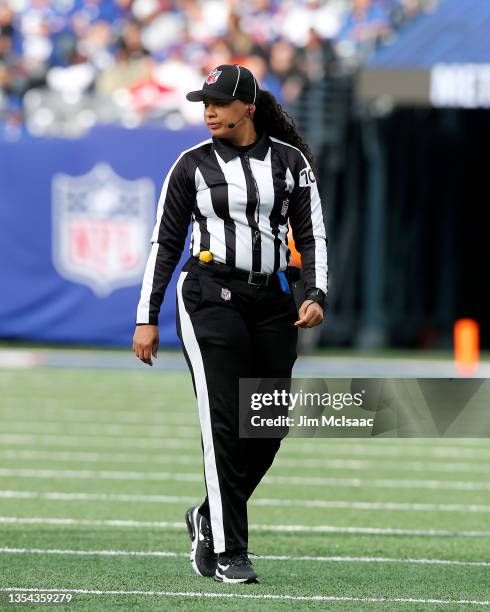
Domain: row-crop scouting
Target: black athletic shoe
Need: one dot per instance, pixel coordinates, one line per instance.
(235, 567)
(203, 557)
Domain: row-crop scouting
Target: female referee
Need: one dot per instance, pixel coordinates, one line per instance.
(236, 314)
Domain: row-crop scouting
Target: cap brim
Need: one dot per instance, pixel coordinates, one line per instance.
(199, 95)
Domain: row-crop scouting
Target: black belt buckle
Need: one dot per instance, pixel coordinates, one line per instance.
(258, 275)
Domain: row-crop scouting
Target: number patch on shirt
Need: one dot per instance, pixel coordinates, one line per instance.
(306, 177)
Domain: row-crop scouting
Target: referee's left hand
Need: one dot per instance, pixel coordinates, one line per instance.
(310, 314)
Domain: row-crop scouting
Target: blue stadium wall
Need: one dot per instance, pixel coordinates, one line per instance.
(54, 189)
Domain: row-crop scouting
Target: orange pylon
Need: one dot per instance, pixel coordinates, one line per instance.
(466, 345)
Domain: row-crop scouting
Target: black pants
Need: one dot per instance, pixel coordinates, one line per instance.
(249, 335)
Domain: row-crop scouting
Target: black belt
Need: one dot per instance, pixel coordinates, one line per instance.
(260, 279)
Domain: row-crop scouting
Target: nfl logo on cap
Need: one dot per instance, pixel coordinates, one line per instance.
(226, 294)
(213, 76)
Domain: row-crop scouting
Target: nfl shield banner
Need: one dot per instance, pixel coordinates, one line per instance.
(101, 228)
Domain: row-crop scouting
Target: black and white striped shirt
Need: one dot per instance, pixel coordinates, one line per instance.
(240, 203)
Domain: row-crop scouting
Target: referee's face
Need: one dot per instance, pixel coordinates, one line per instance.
(219, 113)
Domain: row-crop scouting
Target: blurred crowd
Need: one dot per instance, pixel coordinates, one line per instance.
(66, 64)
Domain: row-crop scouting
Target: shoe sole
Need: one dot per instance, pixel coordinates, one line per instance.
(192, 528)
(221, 578)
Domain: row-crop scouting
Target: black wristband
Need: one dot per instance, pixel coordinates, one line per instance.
(317, 295)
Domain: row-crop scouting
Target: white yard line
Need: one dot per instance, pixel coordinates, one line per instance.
(89, 429)
(164, 553)
(165, 417)
(104, 441)
(95, 457)
(181, 430)
(316, 446)
(337, 464)
(283, 480)
(377, 447)
(99, 474)
(202, 594)
(65, 414)
(260, 501)
(189, 431)
(35, 520)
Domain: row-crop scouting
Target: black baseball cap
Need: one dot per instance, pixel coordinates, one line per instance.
(228, 82)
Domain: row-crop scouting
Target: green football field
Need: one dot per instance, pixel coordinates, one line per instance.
(97, 468)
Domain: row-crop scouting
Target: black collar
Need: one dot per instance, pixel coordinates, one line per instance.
(227, 151)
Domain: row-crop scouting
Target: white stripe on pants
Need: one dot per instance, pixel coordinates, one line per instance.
(211, 473)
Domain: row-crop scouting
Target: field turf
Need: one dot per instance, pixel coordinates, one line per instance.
(98, 466)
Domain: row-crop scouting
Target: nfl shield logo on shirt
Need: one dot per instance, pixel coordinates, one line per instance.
(101, 228)
(226, 294)
(213, 76)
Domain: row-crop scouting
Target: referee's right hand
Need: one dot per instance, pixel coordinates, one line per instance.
(145, 342)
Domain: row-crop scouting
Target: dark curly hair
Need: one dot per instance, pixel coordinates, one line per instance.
(271, 118)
